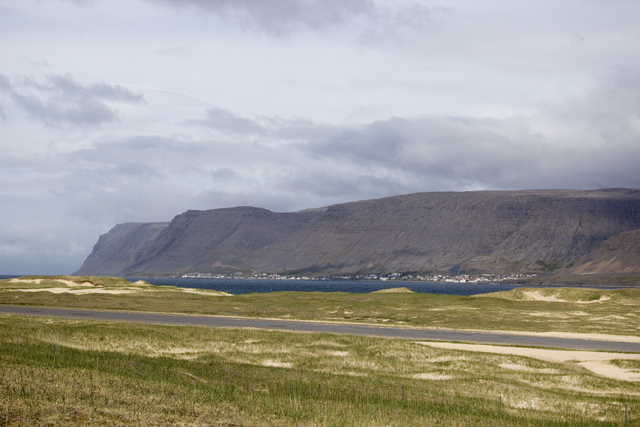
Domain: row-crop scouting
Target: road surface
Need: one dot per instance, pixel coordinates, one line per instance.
(287, 325)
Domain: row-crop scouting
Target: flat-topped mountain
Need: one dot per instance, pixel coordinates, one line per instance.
(473, 232)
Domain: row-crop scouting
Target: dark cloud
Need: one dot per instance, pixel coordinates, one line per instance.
(326, 185)
(5, 86)
(280, 17)
(611, 110)
(225, 121)
(5, 83)
(60, 100)
(224, 174)
(299, 129)
(590, 142)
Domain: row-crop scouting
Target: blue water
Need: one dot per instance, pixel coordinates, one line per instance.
(245, 286)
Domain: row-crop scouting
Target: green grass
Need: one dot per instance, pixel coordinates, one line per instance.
(70, 372)
(609, 311)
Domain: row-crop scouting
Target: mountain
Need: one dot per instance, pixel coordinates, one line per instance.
(473, 232)
(619, 254)
(122, 246)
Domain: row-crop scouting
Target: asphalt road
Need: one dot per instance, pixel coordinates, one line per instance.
(286, 325)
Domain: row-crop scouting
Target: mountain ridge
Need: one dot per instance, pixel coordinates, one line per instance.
(477, 232)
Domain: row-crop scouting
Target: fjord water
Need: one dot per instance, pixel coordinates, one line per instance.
(245, 286)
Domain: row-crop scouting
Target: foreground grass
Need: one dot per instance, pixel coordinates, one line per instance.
(601, 311)
(64, 372)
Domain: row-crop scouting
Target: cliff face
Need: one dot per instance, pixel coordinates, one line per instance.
(619, 254)
(216, 240)
(512, 231)
(119, 248)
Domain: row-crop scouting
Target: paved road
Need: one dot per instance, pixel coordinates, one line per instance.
(286, 325)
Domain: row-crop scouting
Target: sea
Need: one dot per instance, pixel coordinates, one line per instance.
(247, 286)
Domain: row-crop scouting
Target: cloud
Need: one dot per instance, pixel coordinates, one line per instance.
(589, 142)
(611, 110)
(224, 174)
(60, 99)
(288, 164)
(176, 51)
(401, 24)
(225, 121)
(586, 142)
(280, 17)
(5, 83)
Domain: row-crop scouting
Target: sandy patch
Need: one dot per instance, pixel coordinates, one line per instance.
(565, 315)
(591, 360)
(446, 359)
(433, 377)
(72, 284)
(194, 377)
(537, 296)
(523, 368)
(351, 374)
(36, 281)
(403, 290)
(611, 317)
(77, 291)
(602, 298)
(329, 344)
(69, 283)
(206, 292)
(549, 314)
(533, 404)
(611, 371)
(338, 353)
(276, 364)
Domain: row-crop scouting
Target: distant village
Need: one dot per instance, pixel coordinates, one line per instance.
(463, 278)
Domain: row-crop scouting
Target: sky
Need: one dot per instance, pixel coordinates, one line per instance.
(138, 110)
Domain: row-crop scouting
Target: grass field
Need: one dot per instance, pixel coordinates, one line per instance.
(81, 372)
(567, 310)
(68, 372)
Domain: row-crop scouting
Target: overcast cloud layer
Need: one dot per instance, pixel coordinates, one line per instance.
(138, 110)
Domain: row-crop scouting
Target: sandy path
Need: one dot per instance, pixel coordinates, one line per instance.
(594, 361)
(570, 335)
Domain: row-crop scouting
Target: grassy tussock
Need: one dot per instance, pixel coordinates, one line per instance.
(573, 295)
(82, 283)
(110, 282)
(160, 375)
